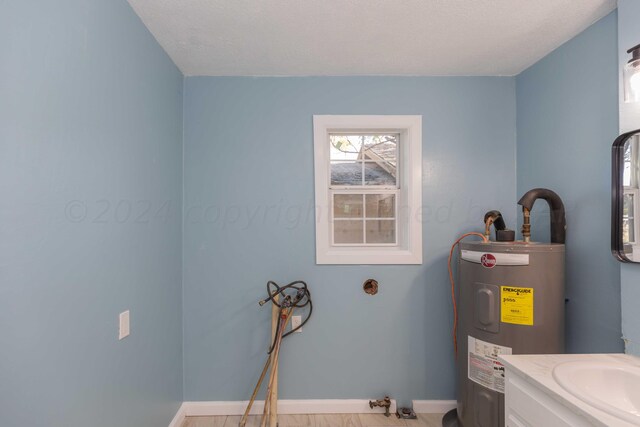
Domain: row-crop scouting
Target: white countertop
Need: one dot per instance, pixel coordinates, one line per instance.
(537, 369)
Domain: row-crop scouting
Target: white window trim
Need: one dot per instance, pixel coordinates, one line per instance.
(409, 251)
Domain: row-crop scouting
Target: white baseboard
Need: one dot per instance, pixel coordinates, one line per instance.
(433, 406)
(178, 420)
(311, 406)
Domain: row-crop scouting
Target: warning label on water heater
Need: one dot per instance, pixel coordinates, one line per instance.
(484, 367)
(516, 305)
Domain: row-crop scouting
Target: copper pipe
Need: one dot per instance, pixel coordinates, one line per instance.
(370, 286)
(526, 225)
(487, 227)
(382, 403)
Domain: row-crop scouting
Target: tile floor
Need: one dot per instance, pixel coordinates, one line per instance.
(321, 420)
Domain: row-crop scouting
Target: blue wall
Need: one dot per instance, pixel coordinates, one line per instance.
(90, 124)
(91, 215)
(629, 36)
(567, 120)
(249, 218)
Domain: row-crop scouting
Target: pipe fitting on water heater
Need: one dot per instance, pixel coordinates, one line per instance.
(557, 215)
(503, 234)
(526, 225)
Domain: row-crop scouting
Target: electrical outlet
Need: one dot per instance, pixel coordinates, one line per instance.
(124, 329)
(295, 322)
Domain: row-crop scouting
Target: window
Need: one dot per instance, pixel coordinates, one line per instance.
(368, 189)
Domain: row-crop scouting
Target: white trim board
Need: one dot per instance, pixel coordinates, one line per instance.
(313, 406)
(433, 406)
(180, 417)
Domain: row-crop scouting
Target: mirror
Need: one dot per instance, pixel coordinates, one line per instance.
(625, 197)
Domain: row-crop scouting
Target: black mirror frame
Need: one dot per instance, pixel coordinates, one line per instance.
(617, 192)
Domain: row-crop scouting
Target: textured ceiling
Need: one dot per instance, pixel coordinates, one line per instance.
(363, 37)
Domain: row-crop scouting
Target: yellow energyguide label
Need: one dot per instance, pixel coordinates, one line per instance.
(516, 305)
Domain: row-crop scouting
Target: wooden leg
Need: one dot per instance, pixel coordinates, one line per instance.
(274, 364)
(243, 421)
(275, 314)
(266, 413)
(273, 407)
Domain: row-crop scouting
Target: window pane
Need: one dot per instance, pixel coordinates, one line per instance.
(376, 147)
(376, 174)
(346, 173)
(627, 205)
(626, 174)
(347, 206)
(381, 231)
(382, 148)
(381, 151)
(346, 147)
(380, 205)
(348, 231)
(628, 231)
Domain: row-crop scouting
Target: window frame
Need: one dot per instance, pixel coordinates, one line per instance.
(408, 246)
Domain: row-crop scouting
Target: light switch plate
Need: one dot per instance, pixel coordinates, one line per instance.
(124, 329)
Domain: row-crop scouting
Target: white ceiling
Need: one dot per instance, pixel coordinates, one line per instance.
(363, 37)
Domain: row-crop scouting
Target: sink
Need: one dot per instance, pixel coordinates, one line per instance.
(612, 387)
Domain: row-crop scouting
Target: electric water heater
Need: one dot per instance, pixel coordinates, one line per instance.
(511, 301)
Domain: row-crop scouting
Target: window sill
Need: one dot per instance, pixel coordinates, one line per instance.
(360, 256)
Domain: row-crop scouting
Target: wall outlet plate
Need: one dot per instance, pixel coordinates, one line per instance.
(295, 322)
(124, 329)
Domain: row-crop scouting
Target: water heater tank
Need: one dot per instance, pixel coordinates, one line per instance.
(511, 302)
